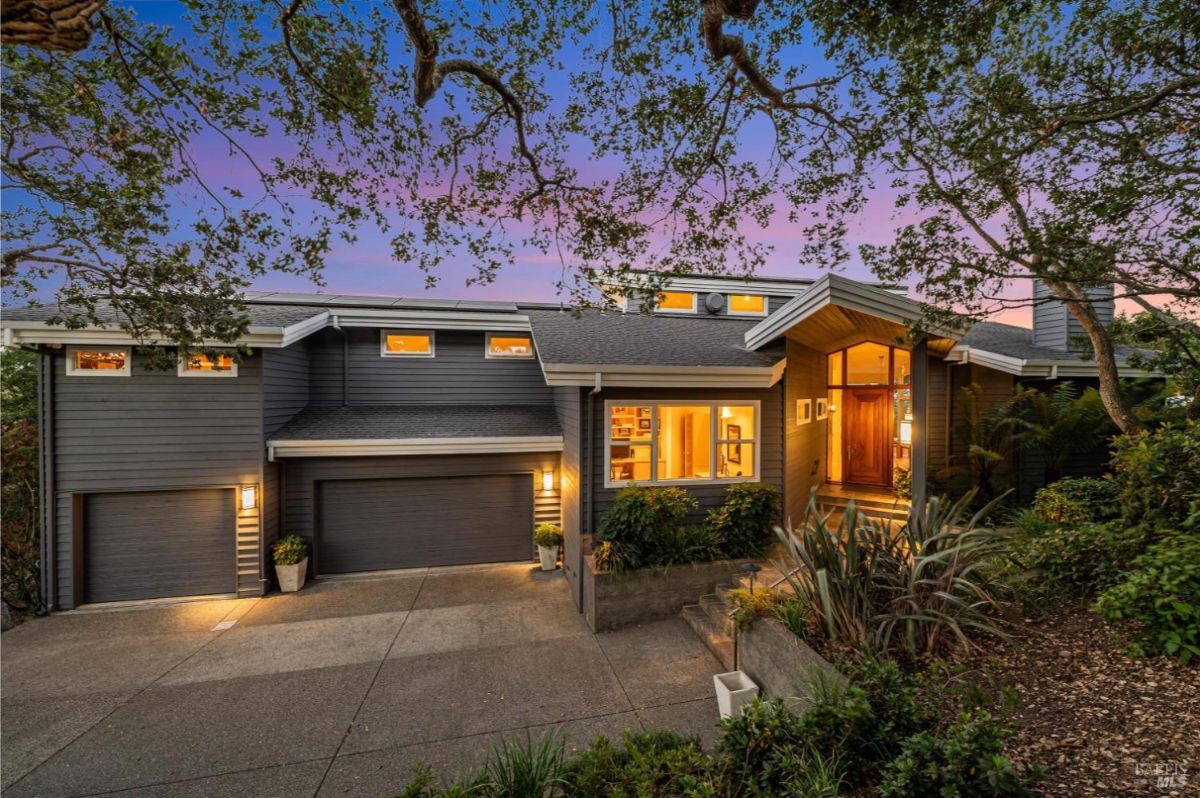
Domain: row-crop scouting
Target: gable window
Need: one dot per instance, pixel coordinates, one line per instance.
(406, 343)
(203, 365)
(747, 305)
(657, 443)
(676, 302)
(110, 361)
(507, 345)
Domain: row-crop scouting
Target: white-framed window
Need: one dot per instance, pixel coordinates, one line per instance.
(676, 302)
(508, 345)
(680, 442)
(204, 365)
(99, 361)
(406, 343)
(747, 305)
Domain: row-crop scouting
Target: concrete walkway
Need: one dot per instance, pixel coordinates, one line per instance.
(339, 690)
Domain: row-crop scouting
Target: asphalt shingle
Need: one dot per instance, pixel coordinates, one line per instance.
(1011, 341)
(636, 339)
(403, 422)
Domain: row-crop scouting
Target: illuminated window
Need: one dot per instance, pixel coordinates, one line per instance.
(204, 365)
(676, 442)
(747, 305)
(406, 343)
(902, 367)
(504, 345)
(867, 364)
(677, 302)
(111, 361)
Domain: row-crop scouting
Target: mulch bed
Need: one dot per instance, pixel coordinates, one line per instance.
(1099, 722)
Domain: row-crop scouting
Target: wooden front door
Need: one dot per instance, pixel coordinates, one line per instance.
(867, 434)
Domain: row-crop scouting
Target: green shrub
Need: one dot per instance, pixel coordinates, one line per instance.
(684, 544)
(1074, 501)
(526, 767)
(548, 536)
(746, 521)
(289, 550)
(1162, 593)
(966, 761)
(637, 522)
(902, 482)
(1159, 476)
(922, 588)
(643, 763)
(1080, 561)
(772, 748)
(748, 605)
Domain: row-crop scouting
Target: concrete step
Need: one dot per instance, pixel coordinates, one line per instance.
(869, 507)
(718, 610)
(719, 643)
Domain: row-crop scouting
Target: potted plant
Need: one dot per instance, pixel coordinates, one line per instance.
(548, 538)
(291, 562)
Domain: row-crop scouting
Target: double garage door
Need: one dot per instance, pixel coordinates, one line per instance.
(158, 544)
(381, 524)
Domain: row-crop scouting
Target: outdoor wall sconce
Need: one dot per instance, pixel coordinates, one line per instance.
(249, 497)
(547, 481)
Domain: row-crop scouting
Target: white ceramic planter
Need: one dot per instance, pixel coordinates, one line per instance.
(291, 577)
(549, 557)
(734, 691)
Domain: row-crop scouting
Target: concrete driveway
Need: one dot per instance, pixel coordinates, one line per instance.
(339, 690)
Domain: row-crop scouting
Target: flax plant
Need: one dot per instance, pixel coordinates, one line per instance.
(922, 587)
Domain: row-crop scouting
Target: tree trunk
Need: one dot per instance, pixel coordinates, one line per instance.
(1106, 358)
(48, 24)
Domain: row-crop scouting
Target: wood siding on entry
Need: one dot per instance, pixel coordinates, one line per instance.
(805, 443)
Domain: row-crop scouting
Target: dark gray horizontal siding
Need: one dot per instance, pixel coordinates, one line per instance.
(150, 431)
(771, 439)
(457, 374)
(301, 475)
(938, 420)
(285, 384)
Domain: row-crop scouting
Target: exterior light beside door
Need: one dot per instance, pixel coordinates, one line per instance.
(249, 497)
(547, 480)
(906, 431)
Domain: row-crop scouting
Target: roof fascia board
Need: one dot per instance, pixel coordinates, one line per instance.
(851, 294)
(374, 447)
(1037, 367)
(735, 286)
(431, 319)
(36, 332)
(559, 374)
(303, 329)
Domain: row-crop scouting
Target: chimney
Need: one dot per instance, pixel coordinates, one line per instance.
(1055, 326)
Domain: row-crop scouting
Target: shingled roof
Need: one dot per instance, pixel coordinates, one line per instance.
(1017, 342)
(637, 339)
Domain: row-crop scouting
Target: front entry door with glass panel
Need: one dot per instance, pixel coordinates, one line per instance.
(870, 413)
(868, 453)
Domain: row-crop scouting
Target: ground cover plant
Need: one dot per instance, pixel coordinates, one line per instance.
(654, 526)
(876, 736)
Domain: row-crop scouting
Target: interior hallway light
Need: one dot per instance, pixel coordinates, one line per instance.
(547, 480)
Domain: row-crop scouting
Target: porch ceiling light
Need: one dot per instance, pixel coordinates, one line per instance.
(249, 497)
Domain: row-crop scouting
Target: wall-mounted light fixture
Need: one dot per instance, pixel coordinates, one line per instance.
(906, 431)
(249, 497)
(547, 480)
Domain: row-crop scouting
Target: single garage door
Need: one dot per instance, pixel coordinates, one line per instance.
(158, 544)
(378, 524)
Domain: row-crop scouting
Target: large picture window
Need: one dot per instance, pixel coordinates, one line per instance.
(655, 443)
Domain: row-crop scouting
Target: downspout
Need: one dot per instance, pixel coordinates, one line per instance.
(46, 492)
(345, 360)
(589, 454)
